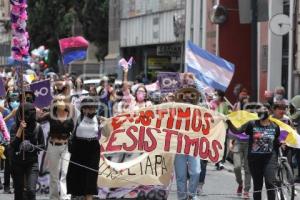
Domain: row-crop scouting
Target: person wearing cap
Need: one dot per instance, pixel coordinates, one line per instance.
(263, 150)
(294, 109)
(61, 127)
(85, 151)
(183, 163)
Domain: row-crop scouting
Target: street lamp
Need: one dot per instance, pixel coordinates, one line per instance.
(218, 14)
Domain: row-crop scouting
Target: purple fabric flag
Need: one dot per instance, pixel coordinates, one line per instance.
(242, 136)
(42, 93)
(2, 88)
(283, 135)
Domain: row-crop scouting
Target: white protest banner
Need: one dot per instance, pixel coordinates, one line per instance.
(152, 170)
(176, 128)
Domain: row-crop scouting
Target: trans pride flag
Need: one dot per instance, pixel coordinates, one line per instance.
(210, 70)
(73, 48)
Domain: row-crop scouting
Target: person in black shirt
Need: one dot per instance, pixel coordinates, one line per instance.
(24, 156)
(61, 127)
(263, 151)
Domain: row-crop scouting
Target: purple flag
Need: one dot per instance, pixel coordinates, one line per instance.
(42, 93)
(169, 81)
(2, 88)
(242, 136)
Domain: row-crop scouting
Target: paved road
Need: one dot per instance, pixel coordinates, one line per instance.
(217, 183)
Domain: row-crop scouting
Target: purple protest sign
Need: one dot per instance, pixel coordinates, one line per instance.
(42, 93)
(169, 81)
(2, 88)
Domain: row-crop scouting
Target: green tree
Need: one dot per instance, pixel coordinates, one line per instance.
(93, 16)
(48, 21)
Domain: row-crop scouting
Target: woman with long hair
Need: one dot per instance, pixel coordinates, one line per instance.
(141, 100)
(61, 127)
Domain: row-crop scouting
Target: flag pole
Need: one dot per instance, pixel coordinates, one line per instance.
(21, 79)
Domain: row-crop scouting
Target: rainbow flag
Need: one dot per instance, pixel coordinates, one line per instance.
(288, 135)
(73, 48)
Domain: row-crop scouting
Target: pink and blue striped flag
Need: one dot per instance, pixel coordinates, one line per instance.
(210, 70)
(73, 48)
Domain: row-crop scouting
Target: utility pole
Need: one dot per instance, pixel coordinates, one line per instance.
(254, 50)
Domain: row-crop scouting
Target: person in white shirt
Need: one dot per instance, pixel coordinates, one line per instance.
(85, 150)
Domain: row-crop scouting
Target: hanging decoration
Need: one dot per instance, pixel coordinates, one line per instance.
(20, 37)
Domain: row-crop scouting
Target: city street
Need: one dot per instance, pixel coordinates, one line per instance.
(219, 185)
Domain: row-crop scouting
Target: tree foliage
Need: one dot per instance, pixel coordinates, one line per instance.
(93, 15)
(50, 20)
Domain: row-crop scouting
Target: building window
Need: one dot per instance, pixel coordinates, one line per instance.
(155, 21)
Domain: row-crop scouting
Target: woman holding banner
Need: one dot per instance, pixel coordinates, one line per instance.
(184, 163)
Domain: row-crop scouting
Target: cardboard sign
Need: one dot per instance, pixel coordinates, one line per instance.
(169, 81)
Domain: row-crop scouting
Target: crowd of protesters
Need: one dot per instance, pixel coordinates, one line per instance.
(75, 116)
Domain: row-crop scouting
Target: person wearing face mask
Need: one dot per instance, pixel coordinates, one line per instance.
(126, 102)
(279, 95)
(61, 127)
(13, 103)
(10, 123)
(85, 151)
(24, 156)
(263, 150)
(141, 98)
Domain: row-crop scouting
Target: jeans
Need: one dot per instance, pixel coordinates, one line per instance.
(240, 155)
(30, 171)
(182, 164)
(264, 168)
(203, 171)
(58, 166)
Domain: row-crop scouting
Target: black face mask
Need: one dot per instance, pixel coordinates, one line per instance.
(29, 99)
(263, 115)
(91, 115)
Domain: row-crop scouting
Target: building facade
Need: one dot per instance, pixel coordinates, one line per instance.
(144, 29)
(5, 35)
(146, 32)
